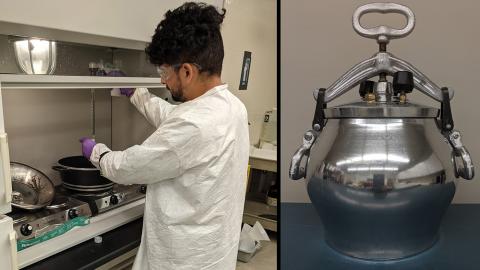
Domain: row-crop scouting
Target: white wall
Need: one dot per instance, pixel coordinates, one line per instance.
(319, 44)
(45, 125)
(251, 25)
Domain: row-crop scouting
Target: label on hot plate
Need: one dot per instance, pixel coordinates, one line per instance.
(61, 229)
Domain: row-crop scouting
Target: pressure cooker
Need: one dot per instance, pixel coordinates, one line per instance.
(381, 172)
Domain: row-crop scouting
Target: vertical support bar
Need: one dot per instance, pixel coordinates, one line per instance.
(2, 122)
(5, 178)
(319, 117)
(92, 111)
(12, 237)
(446, 118)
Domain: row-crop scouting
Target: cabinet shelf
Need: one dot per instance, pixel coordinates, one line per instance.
(256, 211)
(263, 159)
(14, 81)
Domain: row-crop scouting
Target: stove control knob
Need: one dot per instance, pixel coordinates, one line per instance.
(26, 229)
(114, 199)
(72, 213)
(143, 189)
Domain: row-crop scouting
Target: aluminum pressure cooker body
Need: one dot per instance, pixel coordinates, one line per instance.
(381, 172)
(380, 185)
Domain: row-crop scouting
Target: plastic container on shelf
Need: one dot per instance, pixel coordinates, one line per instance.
(268, 138)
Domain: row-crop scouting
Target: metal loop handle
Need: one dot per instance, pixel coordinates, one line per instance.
(383, 33)
(296, 172)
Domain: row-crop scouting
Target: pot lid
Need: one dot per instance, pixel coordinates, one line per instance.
(381, 110)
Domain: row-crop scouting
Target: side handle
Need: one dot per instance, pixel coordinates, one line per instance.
(59, 168)
(296, 172)
(466, 170)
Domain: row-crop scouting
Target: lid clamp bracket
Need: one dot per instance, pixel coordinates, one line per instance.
(446, 118)
(319, 119)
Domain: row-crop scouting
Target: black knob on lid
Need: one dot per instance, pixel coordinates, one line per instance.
(402, 82)
(366, 87)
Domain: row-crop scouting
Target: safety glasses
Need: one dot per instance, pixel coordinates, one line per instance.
(165, 72)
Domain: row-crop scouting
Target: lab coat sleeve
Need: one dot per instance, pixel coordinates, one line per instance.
(155, 160)
(153, 108)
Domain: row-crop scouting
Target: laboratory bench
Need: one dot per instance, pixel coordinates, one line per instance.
(118, 248)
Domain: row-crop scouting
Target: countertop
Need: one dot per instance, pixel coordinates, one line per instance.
(264, 154)
(303, 246)
(89, 255)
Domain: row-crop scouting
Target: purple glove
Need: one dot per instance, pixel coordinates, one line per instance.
(87, 146)
(116, 73)
(128, 92)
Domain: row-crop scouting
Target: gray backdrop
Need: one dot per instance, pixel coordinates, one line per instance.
(318, 44)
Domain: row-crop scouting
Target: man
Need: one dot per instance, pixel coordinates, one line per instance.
(195, 163)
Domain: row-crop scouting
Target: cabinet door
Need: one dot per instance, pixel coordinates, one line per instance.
(135, 20)
(5, 178)
(8, 244)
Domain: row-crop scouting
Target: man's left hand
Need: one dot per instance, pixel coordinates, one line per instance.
(128, 92)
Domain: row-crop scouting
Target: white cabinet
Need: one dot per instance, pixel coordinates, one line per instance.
(261, 159)
(8, 244)
(134, 20)
(8, 81)
(98, 224)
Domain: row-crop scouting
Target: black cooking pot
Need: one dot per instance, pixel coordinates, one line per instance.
(79, 174)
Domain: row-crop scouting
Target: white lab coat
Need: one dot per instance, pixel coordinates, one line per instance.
(195, 166)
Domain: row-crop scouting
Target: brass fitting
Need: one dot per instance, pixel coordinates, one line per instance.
(370, 97)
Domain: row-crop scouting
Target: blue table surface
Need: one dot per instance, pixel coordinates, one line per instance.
(303, 247)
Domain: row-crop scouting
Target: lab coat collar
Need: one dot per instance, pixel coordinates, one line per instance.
(212, 91)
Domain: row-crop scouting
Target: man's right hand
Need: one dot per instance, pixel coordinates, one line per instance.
(128, 92)
(87, 146)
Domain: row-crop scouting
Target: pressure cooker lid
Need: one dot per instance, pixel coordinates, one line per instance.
(381, 110)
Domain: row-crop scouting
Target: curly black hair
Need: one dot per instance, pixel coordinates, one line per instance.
(189, 34)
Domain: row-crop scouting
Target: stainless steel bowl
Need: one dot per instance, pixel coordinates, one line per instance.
(31, 189)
